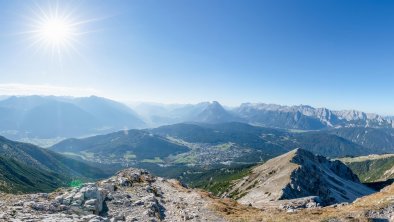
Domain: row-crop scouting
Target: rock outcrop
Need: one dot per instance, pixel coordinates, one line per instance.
(131, 195)
(299, 174)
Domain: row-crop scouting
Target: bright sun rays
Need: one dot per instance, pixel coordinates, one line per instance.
(56, 31)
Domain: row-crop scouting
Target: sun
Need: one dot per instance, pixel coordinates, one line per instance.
(59, 30)
(56, 32)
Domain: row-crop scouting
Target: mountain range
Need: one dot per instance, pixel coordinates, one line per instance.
(307, 117)
(269, 115)
(51, 117)
(33, 118)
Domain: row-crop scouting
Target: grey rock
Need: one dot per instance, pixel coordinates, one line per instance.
(131, 195)
(299, 174)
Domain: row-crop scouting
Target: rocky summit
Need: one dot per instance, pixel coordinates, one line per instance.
(298, 178)
(131, 195)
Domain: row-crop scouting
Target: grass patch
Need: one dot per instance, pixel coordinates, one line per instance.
(76, 183)
(75, 155)
(129, 155)
(185, 159)
(87, 154)
(155, 160)
(224, 146)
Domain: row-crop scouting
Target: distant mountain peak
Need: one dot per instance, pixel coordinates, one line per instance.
(214, 113)
(215, 105)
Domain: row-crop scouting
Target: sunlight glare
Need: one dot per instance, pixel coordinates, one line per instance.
(56, 31)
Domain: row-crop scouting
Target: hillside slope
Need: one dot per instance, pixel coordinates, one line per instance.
(299, 174)
(378, 140)
(17, 177)
(375, 207)
(373, 168)
(124, 146)
(28, 168)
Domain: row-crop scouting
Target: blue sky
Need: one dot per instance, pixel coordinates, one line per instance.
(336, 54)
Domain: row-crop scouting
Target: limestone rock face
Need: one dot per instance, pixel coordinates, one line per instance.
(299, 174)
(89, 198)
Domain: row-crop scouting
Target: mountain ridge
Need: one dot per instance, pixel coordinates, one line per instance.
(303, 117)
(327, 118)
(331, 181)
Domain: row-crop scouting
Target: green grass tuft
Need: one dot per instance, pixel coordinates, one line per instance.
(76, 183)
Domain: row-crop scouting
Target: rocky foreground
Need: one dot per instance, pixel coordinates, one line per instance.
(131, 195)
(135, 195)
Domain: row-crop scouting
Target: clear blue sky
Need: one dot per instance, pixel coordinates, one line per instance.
(336, 53)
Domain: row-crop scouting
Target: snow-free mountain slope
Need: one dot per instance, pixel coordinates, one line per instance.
(299, 174)
(28, 168)
(372, 168)
(379, 139)
(121, 147)
(110, 113)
